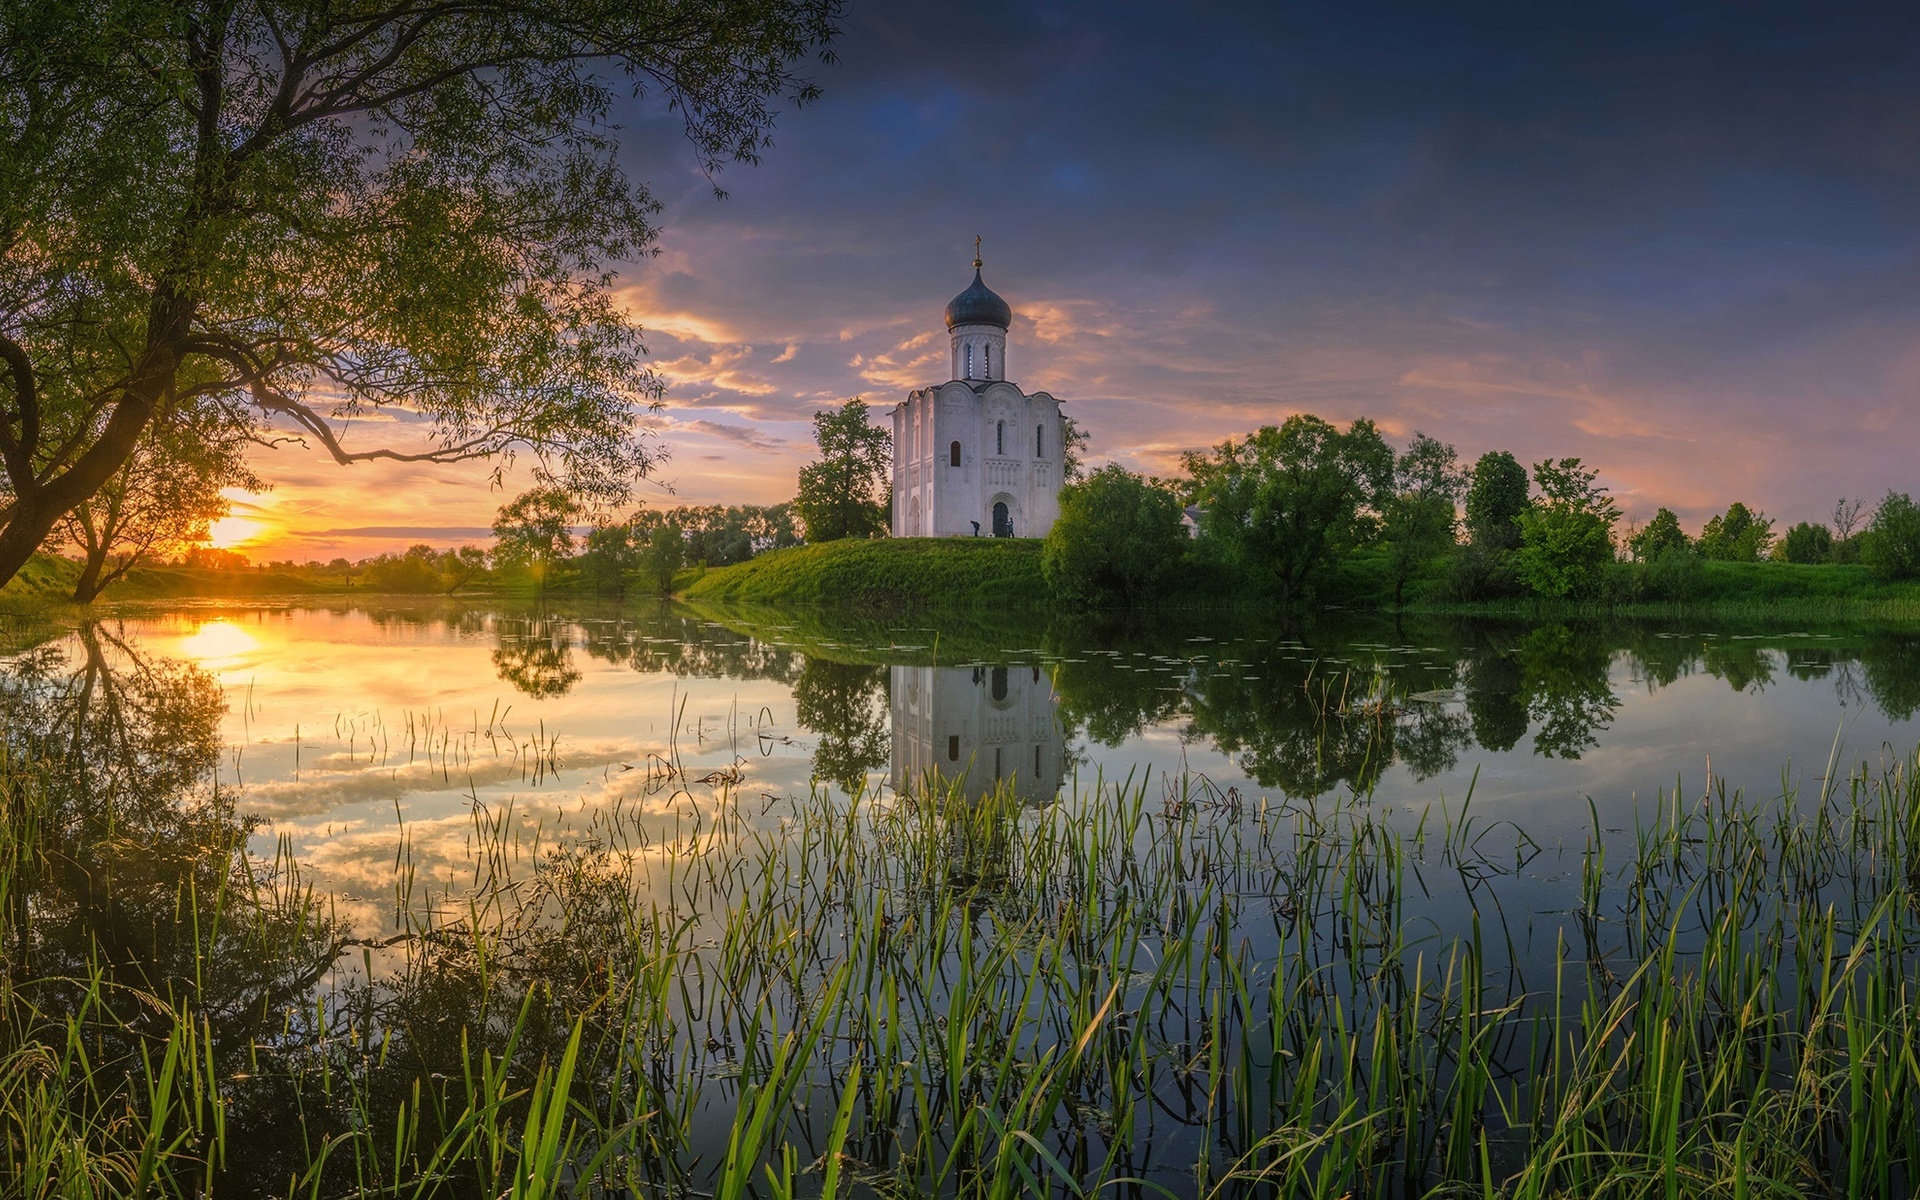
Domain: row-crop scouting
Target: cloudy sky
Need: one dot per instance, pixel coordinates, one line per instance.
(1679, 241)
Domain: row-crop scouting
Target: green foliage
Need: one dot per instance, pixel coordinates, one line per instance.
(1417, 520)
(533, 532)
(886, 573)
(1566, 536)
(387, 206)
(424, 570)
(1738, 535)
(1662, 535)
(1284, 502)
(163, 499)
(1496, 497)
(1807, 543)
(1891, 543)
(1117, 542)
(844, 494)
(665, 553)
(610, 556)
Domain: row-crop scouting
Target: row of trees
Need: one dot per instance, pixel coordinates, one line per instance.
(1288, 506)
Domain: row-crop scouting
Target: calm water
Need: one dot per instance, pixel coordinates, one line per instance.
(366, 735)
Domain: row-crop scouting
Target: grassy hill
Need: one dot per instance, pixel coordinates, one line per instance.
(49, 579)
(886, 573)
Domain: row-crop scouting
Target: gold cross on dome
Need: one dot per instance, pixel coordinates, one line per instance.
(976, 252)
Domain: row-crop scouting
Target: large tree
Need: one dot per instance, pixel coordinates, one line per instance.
(1566, 535)
(162, 500)
(1418, 520)
(1283, 501)
(844, 494)
(1117, 542)
(1496, 496)
(323, 209)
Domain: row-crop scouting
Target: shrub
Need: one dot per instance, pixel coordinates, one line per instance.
(1807, 543)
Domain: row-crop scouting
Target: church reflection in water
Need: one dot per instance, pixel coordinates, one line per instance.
(978, 726)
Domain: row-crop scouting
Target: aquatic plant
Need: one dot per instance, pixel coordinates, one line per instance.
(1158, 985)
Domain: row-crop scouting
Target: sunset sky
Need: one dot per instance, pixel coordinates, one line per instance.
(1682, 242)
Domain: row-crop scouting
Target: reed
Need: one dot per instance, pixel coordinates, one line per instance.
(1156, 986)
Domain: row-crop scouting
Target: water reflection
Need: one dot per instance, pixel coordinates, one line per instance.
(977, 726)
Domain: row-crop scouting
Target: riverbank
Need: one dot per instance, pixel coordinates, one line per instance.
(885, 574)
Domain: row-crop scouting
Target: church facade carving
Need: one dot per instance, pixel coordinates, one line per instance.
(976, 456)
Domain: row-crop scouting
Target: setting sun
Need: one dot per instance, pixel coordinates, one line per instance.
(229, 532)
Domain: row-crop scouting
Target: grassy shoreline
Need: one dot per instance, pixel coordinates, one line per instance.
(929, 995)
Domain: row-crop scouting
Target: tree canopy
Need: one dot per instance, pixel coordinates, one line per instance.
(1566, 535)
(1117, 539)
(1496, 496)
(312, 212)
(1283, 500)
(1738, 535)
(844, 493)
(1662, 535)
(1419, 518)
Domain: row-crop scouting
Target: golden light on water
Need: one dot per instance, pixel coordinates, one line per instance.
(216, 642)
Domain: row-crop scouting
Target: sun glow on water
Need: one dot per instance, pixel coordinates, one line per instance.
(218, 642)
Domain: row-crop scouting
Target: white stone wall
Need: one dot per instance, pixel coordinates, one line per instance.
(1010, 446)
(978, 725)
(979, 352)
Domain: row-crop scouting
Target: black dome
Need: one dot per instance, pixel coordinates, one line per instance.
(978, 305)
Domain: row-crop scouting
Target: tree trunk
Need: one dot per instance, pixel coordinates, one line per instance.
(88, 585)
(36, 507)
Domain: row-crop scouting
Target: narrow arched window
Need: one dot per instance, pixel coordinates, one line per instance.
(1039, 442)
(999, 683)
(986, 362)
(1036, 762)
(953, 455)
(969, 374)
(1000, 438)
(953, 747)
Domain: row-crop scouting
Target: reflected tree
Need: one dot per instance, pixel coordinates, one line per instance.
(536, 657)
(847, 705)
(1564, 677)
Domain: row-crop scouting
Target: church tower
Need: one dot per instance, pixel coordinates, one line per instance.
(976, 456)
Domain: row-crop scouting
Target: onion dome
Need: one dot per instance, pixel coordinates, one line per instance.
(978, 305)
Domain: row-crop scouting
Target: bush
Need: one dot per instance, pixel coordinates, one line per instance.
(1891, 543)
(1807, 543)
(1480, 572)
(1117, 542)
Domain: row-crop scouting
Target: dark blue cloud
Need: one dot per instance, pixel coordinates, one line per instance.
(1680, 240)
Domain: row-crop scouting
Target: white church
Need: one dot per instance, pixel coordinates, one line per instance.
(976, 456)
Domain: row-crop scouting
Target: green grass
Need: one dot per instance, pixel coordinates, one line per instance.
(885, 573)
(926, 995)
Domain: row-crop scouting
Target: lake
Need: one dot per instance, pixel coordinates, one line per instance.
(1342, 798)
(346, 723)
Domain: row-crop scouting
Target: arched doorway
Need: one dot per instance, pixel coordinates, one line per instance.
(1002, 519)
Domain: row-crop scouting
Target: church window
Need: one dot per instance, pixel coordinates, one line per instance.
(969, 374)
(1039, 434)
(999, 683)
(953, 747)
(1000, 438)
(953, 455)
(996, 761)
(986, 362)
(1036, 762)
